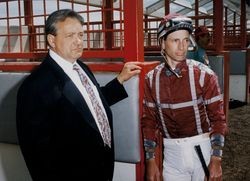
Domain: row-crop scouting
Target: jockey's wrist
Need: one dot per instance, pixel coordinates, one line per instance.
(150, 155)
(217, 144)
(217, 152)
(149, 146)
(217, 141)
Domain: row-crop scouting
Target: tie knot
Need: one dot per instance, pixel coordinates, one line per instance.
(76, 67)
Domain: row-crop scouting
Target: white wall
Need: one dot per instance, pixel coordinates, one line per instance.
(124, 172)
(237, 87)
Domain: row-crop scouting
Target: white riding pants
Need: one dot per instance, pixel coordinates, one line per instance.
(181, 162)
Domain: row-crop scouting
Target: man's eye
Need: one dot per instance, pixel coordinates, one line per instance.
(70, 35)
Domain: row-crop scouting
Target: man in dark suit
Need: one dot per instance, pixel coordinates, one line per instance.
(59, 134)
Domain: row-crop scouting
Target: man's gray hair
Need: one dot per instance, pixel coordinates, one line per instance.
(60, 16)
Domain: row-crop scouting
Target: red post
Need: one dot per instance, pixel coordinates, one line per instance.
(196, 13)
(218, 26)
(28, 12)
(134, 51)
(133, 31)
(108, 17)
(167, 7)
(243, 25)
(226, 23)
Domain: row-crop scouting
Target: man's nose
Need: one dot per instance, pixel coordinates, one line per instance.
(181, 45)
(79, 39)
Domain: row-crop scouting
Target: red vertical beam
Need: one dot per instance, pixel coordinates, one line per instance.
(133, 31)
(196, 13)
(44, 12)
(218, 25)
(248, 75)
(121, 25)
(147, 35)
(20, 27)
(243, 24)
(108, 17)
(234, 24)
(28, 20)
(140, 167)
(243, 37)
(167, 7)
(8, 26)
(226, 69)
(225, 15)
(134, 51)
(88, 24)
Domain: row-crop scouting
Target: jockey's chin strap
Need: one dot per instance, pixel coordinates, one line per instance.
(176, 73)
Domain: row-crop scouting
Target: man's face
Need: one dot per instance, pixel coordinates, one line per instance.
(204, 40)
(176, 45)
(68, 41)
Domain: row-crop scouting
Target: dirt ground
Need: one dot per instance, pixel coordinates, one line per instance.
(236, 157)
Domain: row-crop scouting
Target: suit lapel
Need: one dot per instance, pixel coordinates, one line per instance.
(75, 97)
(72, 93)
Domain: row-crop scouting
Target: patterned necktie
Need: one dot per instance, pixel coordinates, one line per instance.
(101, 118)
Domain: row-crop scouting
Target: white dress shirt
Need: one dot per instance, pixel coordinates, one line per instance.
(73, 75)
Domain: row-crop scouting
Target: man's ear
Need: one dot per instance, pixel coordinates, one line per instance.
(51, 40)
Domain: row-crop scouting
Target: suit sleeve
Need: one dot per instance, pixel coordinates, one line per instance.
(114, 92)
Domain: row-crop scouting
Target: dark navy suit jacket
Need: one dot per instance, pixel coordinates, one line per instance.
(57, 133)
